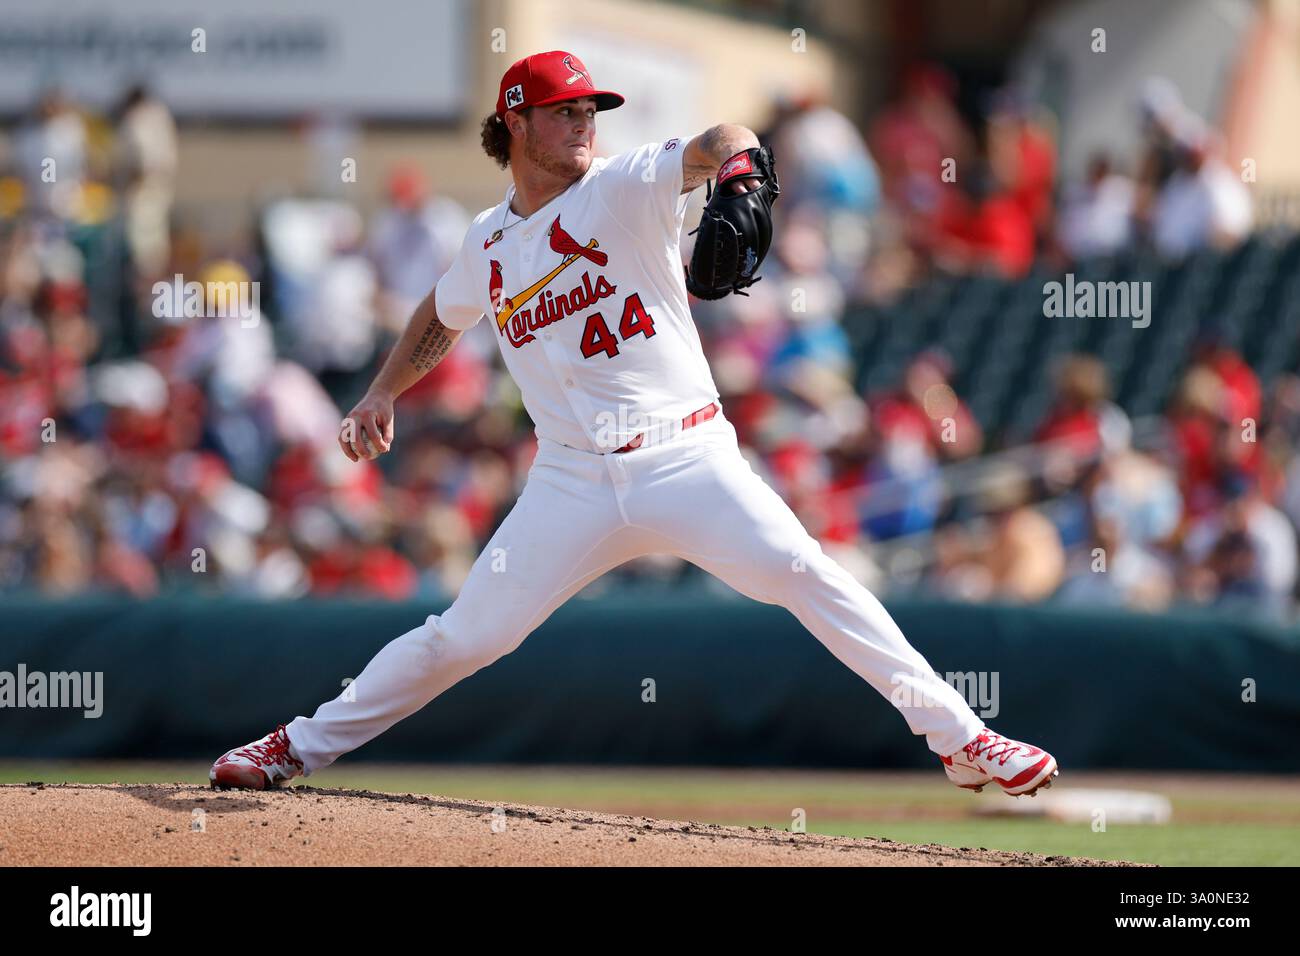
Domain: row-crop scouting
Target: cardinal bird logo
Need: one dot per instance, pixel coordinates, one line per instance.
(575, 73)
(566, 245)
(495, 285)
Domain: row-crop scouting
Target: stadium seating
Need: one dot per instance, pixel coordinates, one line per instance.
(1004, 350)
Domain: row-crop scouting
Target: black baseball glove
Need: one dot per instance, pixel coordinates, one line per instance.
(736, 229)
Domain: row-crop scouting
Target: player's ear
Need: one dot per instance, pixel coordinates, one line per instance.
(515, 123)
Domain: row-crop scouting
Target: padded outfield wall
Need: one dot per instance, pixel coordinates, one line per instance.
(734, 683)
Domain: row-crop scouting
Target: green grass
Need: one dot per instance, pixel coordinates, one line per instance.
(107, 772)
(1172, 844)
(1219, 820)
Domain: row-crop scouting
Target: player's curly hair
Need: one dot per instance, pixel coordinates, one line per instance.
(496, 137)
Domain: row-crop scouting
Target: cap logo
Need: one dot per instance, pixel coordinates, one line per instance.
(515, 96)
(575, 73)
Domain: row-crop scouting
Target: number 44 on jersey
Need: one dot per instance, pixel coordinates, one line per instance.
(598, 339)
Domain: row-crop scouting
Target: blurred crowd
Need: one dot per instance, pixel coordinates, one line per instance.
(928, 187)
(145, 451)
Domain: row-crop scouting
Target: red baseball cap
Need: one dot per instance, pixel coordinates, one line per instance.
(550, 78)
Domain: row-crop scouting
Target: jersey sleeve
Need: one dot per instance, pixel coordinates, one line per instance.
(644, 185)
(457, 294)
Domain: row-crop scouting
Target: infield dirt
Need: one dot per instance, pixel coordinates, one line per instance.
(186, 825)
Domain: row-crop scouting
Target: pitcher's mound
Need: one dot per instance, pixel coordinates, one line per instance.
(185, 825)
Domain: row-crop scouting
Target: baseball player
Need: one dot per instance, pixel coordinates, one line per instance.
(579, 270)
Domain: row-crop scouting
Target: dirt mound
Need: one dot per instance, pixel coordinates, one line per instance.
(183, 825)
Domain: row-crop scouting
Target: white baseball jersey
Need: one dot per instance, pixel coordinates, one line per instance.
(589, 302)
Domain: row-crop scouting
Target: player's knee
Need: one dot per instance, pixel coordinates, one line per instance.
(781, 568)
(783, 565)
(469, 645)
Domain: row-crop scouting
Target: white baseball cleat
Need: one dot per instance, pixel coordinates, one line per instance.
(268, 762)
(1018, 768)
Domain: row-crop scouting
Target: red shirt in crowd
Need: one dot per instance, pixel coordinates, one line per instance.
(1078, 428)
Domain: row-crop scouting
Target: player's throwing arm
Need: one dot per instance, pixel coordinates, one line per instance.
(367, 431)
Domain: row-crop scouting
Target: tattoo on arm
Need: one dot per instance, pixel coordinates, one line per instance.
(694, 175)
(714, 147)
(433, 346)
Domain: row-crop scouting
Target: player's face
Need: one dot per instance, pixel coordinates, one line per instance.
(560, 137)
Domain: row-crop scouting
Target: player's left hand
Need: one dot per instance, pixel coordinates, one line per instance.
(745, 185)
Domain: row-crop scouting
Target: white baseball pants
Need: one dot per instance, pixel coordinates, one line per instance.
(582, 514)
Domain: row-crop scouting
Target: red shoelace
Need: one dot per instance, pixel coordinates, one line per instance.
(272, 751)
(986, 744)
